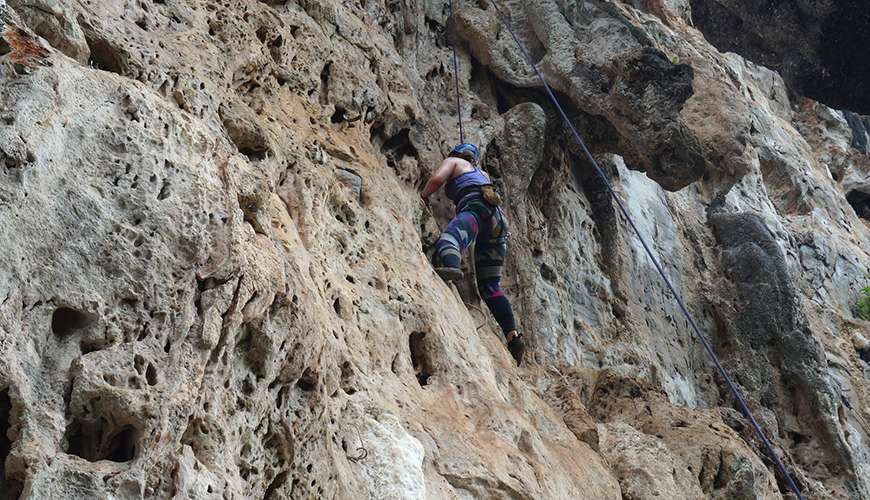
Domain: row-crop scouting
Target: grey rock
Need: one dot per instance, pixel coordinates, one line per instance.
(859, 131)
(350, 179)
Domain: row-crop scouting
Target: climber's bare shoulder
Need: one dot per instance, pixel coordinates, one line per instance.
(459, 166)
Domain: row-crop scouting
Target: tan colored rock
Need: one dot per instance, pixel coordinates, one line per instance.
(214, 280)
(645, 467)
(693, 452)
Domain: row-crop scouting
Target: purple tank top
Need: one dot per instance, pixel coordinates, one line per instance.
(458, 184)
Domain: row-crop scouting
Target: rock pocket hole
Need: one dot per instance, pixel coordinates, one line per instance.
(103, 55)
(339, 116)
(66, 320)
(96, 439)
(347, 378)
(254, 152)
(399, 146)
(420, 358)
(248, 137)
(151, 374)
(308, 381)
(860, 202)
(272, 491)
(122, 446)
(138, 363)
(394, 366)
(324, 83)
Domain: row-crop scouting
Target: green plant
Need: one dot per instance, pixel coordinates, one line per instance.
(863, 305)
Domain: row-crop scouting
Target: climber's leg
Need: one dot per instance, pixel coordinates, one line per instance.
(460, 233)
(489, 255)
(489, 263)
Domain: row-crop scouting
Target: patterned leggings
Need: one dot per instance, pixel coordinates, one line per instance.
(486, 227)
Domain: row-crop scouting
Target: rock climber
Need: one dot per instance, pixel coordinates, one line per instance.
(479, 220)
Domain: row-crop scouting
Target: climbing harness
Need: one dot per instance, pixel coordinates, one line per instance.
(694, 326)
(456, 84)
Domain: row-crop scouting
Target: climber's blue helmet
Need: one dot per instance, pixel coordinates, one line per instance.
(464, 150)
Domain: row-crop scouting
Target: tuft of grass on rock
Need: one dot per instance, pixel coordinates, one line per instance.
(862, 306)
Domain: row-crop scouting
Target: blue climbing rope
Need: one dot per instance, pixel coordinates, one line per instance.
(697, 331)
(456, 84)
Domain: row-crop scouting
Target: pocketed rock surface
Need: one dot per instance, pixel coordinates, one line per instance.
(214, 277)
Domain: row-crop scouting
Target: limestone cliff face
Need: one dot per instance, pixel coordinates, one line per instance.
(214, 280)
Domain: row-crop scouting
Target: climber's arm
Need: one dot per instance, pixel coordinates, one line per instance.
(439, 178)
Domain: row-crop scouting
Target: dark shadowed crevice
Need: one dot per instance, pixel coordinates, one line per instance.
(397, 147)
(860, 126)
(401, 143)
(482, 82)
(151, 375)
(275, 486)
(845, 55)
(253, 147)
(308, 381)
(603, 210)
(377, 135)
(253, 153)
(324, 84)
(507, 96)
(95, 439)
(420, 358)
(860, 202)
(9, 488)
(597, 132)
(122, 445)
(275, 46)
(103, 55)
(820, 48)
(501, 101)
(348, 384)
(339, 116)
(5, 417)
(249, 138)
(66, 320)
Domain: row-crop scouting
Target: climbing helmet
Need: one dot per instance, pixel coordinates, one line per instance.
(466, 148)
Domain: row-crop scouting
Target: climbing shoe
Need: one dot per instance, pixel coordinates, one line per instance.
(449, 274)
(517, 347)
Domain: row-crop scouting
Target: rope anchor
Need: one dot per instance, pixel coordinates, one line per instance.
(361, 449)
